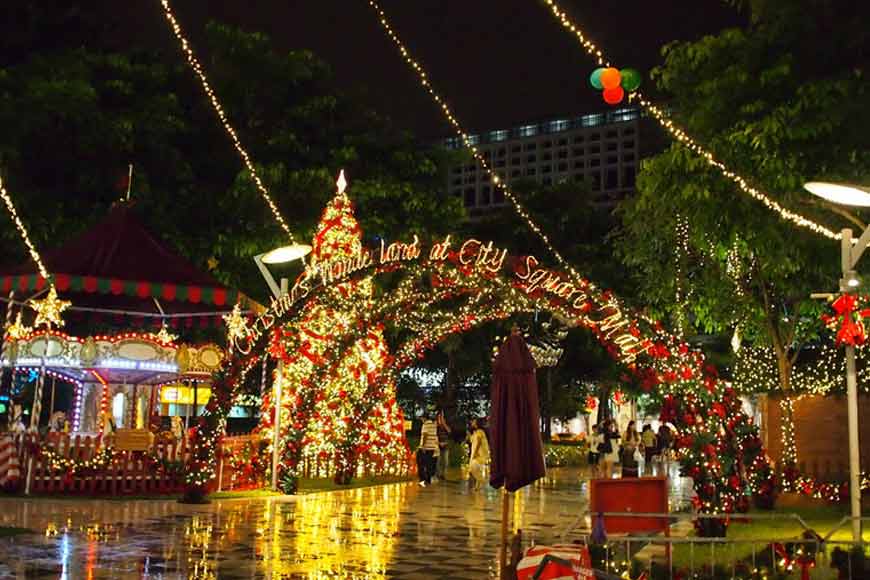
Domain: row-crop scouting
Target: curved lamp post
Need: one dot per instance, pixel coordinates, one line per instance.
(851, 251)
(280, 255)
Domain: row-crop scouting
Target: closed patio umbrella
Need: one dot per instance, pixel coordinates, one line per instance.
(517, 450)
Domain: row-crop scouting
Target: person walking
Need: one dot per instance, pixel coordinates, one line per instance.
(595, 440)
(443, 429)
(609, 448)
(427, 452)
(630, 445)
(650, 447)
(479, 458)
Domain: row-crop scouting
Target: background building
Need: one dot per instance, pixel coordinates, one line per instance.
(600, 148)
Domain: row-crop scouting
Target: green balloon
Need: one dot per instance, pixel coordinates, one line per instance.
(630, 79)
(595, 78)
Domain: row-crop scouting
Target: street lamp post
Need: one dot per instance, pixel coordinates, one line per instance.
(847, 284)
(851, 251)
(278, 256)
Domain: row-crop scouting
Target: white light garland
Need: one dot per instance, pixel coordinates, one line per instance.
(13, 214)
(468, 142)
(681, 251)
(677, 133)
(212, 97)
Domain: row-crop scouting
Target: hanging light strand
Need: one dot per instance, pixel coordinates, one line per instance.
(681, 252)
(466, 140)
(215, 103)
(13, 214)
(677, 133)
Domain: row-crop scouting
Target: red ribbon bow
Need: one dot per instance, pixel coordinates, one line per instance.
(850, 331)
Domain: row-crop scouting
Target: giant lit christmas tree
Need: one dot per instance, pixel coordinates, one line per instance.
(339, 409)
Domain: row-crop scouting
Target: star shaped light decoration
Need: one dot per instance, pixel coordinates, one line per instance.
(237, 326)
(17, 329)
(164, 335)
(49, 309)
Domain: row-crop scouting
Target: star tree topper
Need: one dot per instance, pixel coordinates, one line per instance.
(49, 309)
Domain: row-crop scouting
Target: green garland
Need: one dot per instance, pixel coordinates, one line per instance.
(102, 459)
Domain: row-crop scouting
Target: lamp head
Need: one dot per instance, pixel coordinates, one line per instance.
(286, 254)
(840, 193)
(850, 282)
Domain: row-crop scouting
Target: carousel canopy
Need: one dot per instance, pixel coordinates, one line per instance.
(115, 270)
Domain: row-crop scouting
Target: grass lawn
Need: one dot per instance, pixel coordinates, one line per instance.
(758, 532)
(6, 532)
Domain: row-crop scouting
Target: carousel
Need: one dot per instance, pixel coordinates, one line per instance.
(123, 298)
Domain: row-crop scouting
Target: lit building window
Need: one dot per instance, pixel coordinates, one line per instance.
(592, 120)
(528, 130)
(557, 125)
(500, 135)
(620, 115)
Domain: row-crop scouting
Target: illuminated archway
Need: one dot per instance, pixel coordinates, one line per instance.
(430, 291)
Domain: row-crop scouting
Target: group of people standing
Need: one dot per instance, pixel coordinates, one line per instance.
(607, 447)
(433, 454)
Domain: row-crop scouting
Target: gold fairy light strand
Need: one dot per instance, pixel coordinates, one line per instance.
(13, 213)
(212, 97)
(496, 179)
(681, 136)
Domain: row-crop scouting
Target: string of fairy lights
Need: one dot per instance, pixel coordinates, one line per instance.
(22, 230)
(681, 251)
(682, 137)
(789, 441)
(755, 370)
(497, 179)
(216, 105)
(679, 363)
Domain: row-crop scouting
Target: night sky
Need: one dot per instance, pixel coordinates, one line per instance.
(498, 62)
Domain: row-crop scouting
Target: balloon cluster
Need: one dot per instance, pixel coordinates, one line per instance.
(614, 83)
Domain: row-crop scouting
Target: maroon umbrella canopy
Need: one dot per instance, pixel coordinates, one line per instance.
(517, 451)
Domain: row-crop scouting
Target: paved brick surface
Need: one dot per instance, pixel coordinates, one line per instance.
(399, 531)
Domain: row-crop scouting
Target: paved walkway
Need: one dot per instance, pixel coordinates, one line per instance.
(394, 531)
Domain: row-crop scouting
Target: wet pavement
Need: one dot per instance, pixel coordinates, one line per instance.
(393, 531)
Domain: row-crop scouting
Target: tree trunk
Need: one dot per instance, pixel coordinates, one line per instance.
(547, 415)
(789, 447)
(452, 382)
(604, 411)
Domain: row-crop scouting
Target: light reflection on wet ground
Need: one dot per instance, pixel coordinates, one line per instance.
(394, 531)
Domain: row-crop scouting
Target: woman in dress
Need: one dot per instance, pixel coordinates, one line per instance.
(630, 444)
(479, 456)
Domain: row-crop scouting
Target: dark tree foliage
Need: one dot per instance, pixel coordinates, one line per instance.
(76, 113)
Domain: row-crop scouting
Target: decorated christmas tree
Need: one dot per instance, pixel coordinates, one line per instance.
(339, 410)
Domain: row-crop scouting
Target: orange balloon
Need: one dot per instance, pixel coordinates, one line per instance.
(614, 95)
(610, 78)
